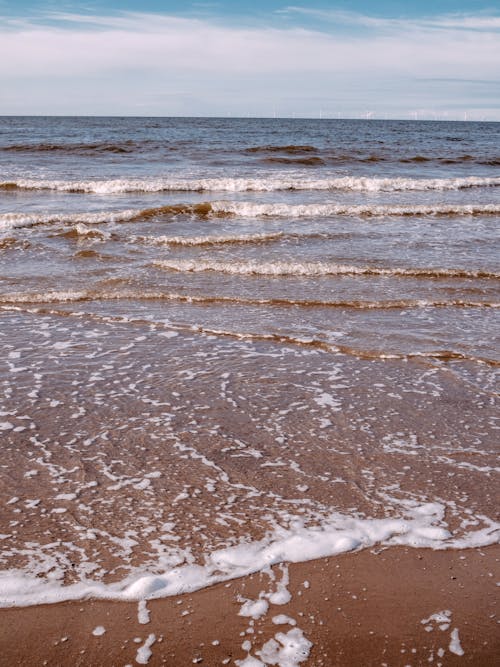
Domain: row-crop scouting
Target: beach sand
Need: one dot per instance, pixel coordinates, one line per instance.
(359, 609)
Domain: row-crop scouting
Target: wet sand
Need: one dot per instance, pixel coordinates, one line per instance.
(359, 609)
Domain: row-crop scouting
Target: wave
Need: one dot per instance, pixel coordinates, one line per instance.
(493, 162)
(313, 161)
(307, 155)
(442, 355)
(253, 210)
(242, 210)
(361, 184)
(461, 159)
(290, 149)
(310, 269)
(331, 158)
(74, 296)
(309, 342)
(82, 148)
(458, 159)
(195, 241)
(16, 220)
(89, 253)
(70, 148)
(361, 157)
(81, 230)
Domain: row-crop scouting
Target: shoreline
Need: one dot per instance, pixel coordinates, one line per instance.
(249, 408)
(362, 608)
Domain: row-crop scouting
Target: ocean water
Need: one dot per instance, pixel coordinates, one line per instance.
(228, 343)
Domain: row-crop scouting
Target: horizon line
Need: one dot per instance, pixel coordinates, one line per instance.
(248, 117)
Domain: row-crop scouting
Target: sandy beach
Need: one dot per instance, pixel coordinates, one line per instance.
(356, 609)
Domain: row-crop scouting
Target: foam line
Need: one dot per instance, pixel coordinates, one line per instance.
(422, 527)
(311, 269)
(354, 183)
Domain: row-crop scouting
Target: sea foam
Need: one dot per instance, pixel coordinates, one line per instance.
(269, 184)
(280, 268)
(242, 210)
(420, 526)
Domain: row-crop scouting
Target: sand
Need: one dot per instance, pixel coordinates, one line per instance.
(365, 608)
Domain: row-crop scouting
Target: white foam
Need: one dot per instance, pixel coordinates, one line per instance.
(325, 400)
(254, 608)
(440, 618)
(142, 613)
(281, 595)
(249, 661)
(82, 230)
(356, 183)
(283, 619)
(281, 210)
(279, 268)
(16, 220)
(421, 526)
(241, 210)
(144, 652)
(190, 241)
(455, 646)
(286, 650)
(88, 295)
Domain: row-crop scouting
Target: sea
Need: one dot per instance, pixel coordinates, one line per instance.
(228, 344)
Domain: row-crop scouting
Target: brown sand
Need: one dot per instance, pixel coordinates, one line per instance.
(360, 609)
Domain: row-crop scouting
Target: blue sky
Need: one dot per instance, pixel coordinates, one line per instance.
(342, 58)
(226, 8)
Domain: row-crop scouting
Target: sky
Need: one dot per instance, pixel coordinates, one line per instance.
(315, 58)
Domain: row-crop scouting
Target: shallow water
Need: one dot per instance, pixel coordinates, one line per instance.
(223, 332)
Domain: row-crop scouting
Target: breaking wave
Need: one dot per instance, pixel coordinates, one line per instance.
(15, 220)
(252, 210)
(243, 210)
(195, 241)
(75, 296)
(361, 184)
(314, 269)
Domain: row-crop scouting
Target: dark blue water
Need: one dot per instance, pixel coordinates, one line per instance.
(68, 148)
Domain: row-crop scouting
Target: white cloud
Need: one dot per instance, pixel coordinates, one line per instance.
(458, 21)
(167, 65)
